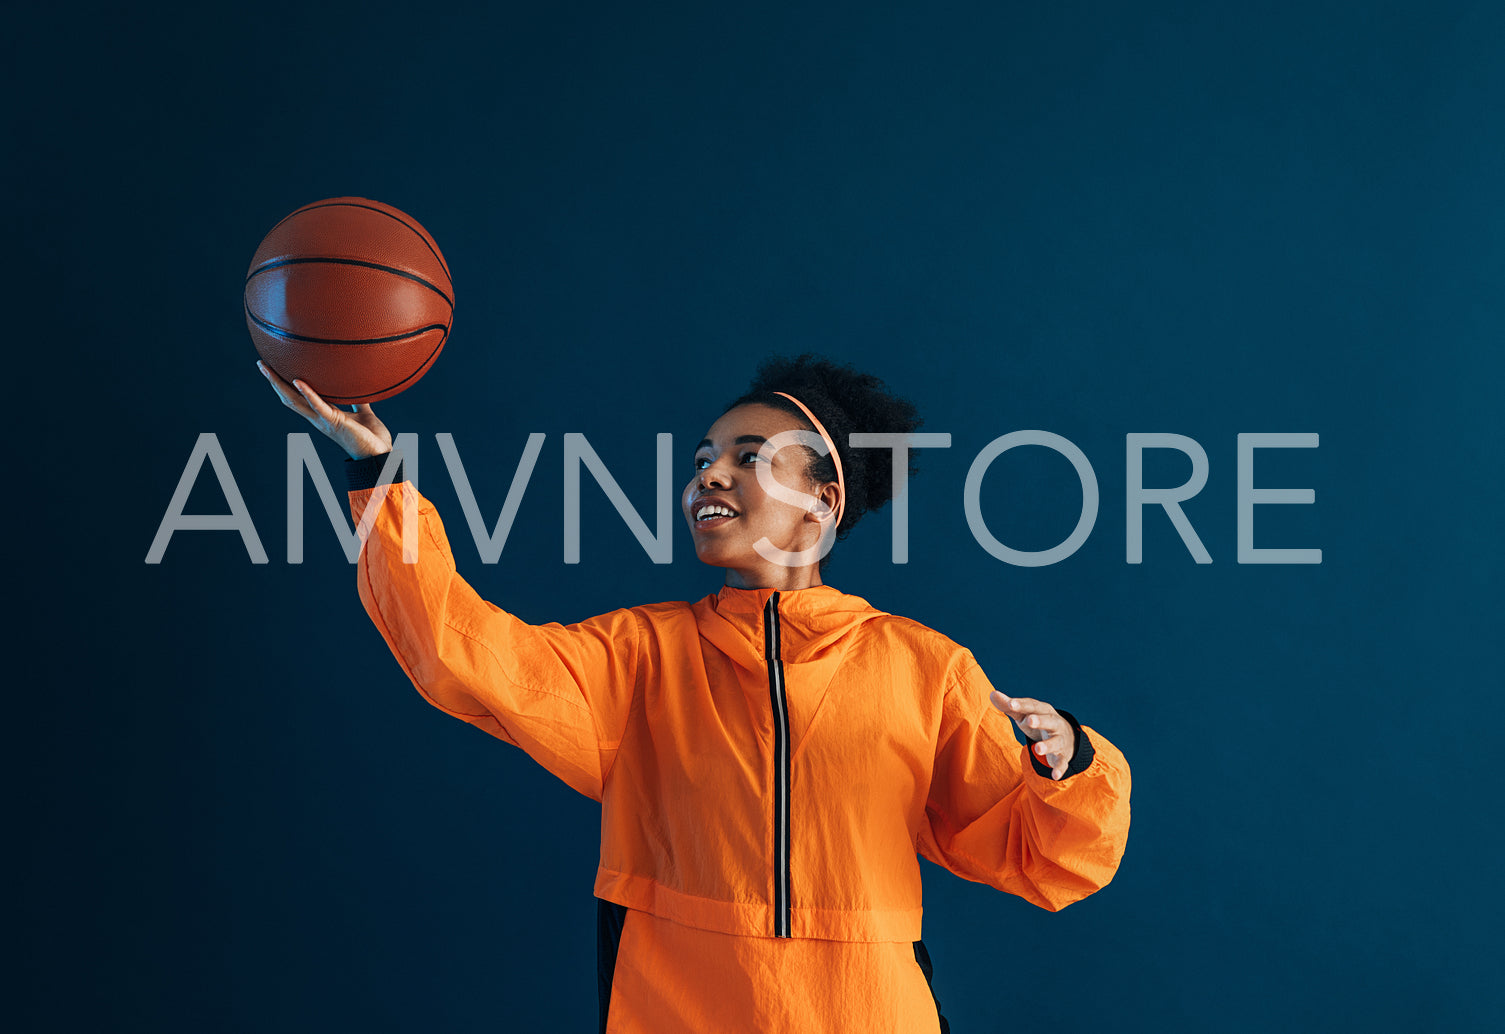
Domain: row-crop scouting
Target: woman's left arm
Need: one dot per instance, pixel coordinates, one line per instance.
(1051, 829)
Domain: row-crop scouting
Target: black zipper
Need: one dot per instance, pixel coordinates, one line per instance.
(781, 766)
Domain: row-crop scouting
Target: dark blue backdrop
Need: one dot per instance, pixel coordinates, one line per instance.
(1088, 218)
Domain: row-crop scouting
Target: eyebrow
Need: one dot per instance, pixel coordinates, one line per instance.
(742, 439)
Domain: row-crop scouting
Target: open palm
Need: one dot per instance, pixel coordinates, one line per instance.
(360, 434)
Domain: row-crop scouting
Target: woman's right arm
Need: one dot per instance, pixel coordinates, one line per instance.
(561, 693)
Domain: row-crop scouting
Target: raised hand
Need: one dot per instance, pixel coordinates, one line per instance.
(1052, 739)
(360, 434)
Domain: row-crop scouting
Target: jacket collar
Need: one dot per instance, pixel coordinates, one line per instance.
(812, 621)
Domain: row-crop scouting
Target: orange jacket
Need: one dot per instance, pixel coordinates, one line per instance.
(769, 763)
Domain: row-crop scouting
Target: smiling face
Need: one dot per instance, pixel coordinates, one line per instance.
(726, 476)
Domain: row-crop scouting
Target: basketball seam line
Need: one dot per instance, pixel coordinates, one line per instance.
(279, 263)
(422, 368)
(288, 335)
(350, 204)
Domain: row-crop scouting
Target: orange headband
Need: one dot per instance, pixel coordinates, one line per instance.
(841, 484)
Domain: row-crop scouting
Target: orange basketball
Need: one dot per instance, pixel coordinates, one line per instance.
(351, 296)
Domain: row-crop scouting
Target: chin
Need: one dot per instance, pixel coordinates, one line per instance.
(711, 558)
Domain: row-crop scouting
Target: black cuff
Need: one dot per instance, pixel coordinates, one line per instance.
(1079, 761)
(366, 473)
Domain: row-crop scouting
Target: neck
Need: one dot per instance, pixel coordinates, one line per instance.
(777, 577)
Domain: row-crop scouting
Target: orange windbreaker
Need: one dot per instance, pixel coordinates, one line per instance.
(769, 765)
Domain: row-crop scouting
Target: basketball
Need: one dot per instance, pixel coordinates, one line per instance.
(351, 296)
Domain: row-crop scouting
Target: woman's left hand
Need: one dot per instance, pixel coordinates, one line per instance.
(1051, 737)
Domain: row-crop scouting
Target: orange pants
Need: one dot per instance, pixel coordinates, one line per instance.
(673, 979)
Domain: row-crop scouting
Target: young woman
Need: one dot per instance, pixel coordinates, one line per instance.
(771, 759)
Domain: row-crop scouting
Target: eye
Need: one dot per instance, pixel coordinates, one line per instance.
(701, 462)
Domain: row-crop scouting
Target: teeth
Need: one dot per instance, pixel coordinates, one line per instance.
(713, 511)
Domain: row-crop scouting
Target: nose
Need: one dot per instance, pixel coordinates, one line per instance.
(716, 473)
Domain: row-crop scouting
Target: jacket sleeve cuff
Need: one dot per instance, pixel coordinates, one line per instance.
(1079, 760)
(367, 473)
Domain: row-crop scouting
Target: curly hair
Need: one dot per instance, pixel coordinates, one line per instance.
(844, 400)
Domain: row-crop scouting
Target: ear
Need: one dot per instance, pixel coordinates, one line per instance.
(823, 507)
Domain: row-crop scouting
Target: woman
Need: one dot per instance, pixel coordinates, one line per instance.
(771, 759)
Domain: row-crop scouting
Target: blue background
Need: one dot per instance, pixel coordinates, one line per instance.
(1094, 219)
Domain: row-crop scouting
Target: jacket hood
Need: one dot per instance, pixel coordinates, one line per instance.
(813, 622)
